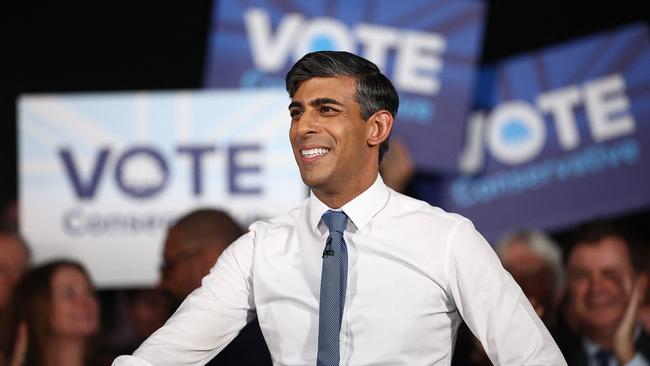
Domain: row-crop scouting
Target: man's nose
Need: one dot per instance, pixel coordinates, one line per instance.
(307, 124)
(596, 284)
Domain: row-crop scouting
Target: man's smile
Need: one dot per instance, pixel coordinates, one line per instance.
(314, 152)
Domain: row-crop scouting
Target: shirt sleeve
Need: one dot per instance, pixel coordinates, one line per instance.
(493, 305)
(209, 318)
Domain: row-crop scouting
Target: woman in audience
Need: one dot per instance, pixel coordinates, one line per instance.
(53, 319)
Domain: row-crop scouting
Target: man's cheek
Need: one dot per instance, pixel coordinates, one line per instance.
(628, 285)
(622, 284)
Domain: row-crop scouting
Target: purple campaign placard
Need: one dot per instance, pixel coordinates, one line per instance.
(566, 139)
(429, 50)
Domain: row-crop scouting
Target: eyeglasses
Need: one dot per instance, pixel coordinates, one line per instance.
(168, 265)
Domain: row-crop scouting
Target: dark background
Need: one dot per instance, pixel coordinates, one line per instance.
(67, 46)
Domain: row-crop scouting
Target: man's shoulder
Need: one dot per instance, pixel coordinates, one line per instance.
(281, 221)
(418, 210)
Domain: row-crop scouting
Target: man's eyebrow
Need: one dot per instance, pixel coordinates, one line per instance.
(295, 104)
(321, 101)
(315, 103)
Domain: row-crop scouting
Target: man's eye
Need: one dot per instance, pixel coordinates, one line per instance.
(295, 114)
(614, 275)
(577, 275)
(68, 293)
(326, 109)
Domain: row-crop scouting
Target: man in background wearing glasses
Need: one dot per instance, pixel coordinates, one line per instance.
(192, 246)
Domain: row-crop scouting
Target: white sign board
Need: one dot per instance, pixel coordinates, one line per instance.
(102, 175)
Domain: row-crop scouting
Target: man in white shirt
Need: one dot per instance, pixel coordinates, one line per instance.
(411, 272)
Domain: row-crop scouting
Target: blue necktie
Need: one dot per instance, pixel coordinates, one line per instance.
(332, 289)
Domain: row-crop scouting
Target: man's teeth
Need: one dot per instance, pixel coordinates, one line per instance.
(314, 152)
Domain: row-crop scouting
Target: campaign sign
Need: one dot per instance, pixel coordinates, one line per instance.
(428, 48)
(103, 175)
(566, 140)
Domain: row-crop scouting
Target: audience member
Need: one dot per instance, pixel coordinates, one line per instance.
(192, 247)
(9, 216)
(14, 258)
(53, 318)
(136, 314)
(644, 308)
(397, 167)
(604, 289)
(535, 261)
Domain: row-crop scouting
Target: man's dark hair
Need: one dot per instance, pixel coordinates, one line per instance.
(374, 91)
(593, 232)
(205, 226)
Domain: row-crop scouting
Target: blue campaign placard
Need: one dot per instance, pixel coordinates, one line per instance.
(429, 50)
(562, 138)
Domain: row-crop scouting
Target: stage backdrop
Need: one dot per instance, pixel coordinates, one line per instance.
(428, 48)
(566, 138)
(102, 175)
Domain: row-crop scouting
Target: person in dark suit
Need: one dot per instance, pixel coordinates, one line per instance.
(192, 246)
(605, 285)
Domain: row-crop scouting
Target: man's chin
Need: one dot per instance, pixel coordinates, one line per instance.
(602, 323)
(311, 180)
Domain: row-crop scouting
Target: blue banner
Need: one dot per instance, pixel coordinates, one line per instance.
(427, 48)
(562, 138)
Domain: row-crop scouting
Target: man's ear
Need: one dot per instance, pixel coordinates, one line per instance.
(380, 125)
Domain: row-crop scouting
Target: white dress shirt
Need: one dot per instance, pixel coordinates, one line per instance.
(413, 271)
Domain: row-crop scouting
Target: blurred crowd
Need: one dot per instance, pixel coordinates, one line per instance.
(587, 285)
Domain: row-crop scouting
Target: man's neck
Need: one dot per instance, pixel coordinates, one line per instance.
(339, 199)
(602, 338)
(335, 200)
(602, 341)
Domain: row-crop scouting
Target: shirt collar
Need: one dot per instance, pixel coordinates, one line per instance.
(592, 348)
(360, 210)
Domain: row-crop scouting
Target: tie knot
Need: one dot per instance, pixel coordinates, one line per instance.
(335, 220)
